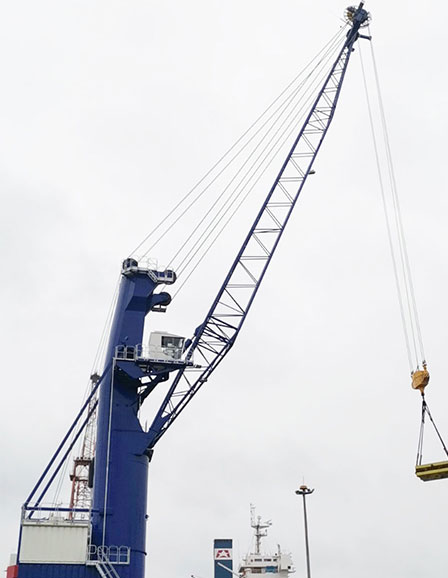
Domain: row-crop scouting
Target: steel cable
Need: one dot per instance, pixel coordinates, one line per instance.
(227, 153)
(398, 247)
(387, 219)
(414, 317)
(228, 201)
(284, 137)
(251, 174)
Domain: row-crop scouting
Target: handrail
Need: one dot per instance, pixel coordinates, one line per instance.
(112, 554)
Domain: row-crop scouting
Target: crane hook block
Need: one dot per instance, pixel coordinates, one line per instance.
(420, 379)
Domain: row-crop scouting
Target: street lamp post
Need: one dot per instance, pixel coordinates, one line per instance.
(305, 491)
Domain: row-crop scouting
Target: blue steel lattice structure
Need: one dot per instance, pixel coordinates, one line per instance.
(116, 530)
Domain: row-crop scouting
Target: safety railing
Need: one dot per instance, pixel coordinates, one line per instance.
(112, 554)
(127, 352)
(144, 353)
(149, 267)
(55, 513)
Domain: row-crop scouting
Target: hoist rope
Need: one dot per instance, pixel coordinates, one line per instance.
(399, 220)
(334, 39)
(425, 410)
(400, 259)
(386, 215)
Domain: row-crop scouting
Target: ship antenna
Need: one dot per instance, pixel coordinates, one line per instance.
(259, 527)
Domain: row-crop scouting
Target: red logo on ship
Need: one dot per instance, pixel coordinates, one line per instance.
(223, 554)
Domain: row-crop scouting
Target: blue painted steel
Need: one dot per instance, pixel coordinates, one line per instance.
(223, 556)
(121, 462)
(62, 461)
(64, 441)
(57, 571)
(216, 335)
(56, 509)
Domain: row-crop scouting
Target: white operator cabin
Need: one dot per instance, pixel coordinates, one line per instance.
(165, 346)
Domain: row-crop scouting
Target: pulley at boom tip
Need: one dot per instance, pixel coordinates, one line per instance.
(357, 16)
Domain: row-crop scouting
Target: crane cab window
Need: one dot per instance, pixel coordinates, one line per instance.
(171, 341)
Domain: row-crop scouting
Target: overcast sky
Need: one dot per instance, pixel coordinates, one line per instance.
(110, 112)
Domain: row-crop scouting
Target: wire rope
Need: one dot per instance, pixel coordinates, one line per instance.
(387, 218)
(436, 428)
(420, 435)
(266, 166)
(399, 220)
(246, 180)
(98, 360)
(397, 246)
(425, 410)
(286, 104)
(232, 148)
(195, 200)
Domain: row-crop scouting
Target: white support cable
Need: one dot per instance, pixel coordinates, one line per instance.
(327, 55)
(99, 357)
(400, 228)
(100, 353)
(387, 219)
(264, 165)
(409, 322)
(241, 138)
(286, 103)
(96, 367)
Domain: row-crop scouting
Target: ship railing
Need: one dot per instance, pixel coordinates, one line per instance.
(112, 554)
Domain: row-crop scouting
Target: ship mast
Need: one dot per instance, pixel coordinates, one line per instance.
(259, 527)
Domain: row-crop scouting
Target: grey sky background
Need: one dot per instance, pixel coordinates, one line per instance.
(110, 112)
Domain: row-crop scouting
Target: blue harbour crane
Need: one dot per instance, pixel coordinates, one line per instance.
(109, 538)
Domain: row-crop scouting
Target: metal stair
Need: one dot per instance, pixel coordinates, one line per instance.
(105, 559)
(105, 569)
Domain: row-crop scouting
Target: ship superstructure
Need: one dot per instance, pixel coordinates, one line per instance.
(257, 562)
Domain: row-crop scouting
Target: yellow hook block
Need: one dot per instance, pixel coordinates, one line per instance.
(420, 379)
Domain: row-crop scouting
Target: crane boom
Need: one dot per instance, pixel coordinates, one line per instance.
(216, 335)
